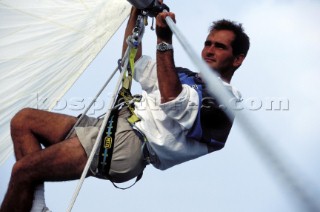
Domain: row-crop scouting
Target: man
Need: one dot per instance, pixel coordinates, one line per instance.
(176, 115)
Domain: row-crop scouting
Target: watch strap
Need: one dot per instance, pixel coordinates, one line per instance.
(164, 46)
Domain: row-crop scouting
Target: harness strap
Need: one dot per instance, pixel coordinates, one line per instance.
(107, 144)
(127, 97)
(127, 78)
(125, 92)
(124, 96)
(124, 188)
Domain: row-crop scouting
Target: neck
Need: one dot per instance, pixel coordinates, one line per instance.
(227, 76)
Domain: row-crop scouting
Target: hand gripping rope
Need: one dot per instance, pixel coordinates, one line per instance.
(125, 79)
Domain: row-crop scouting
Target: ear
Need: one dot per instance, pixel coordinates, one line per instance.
(238, 60)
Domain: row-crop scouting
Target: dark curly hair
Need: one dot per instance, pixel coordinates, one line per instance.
(241, 43)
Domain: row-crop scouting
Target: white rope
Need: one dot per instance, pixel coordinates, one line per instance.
(248, 125)
(135, 39)
(92, 102)
(98, 139)
(94, 149)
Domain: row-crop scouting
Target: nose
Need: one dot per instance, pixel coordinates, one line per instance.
(209, 46)
(209, 50)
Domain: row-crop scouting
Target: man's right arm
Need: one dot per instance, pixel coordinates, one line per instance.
(130, 26)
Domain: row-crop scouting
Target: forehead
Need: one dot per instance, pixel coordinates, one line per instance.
(221, 36)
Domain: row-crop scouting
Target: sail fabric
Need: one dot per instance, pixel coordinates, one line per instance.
(45, 45)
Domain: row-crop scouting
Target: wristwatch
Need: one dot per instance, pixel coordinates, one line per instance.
(163, 46)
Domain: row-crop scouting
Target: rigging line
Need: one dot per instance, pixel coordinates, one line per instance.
(95, 147)
(249, 126)
(100, 38)
(98, 139)
(92, 102)
(124, 58)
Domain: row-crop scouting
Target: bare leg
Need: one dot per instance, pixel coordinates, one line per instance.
(29, 129)
(59, 162)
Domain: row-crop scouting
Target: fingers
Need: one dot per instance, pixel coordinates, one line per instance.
(161, 22)
(162, 29)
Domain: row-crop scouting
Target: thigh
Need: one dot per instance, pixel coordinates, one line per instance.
(49, 127)
(59, 162)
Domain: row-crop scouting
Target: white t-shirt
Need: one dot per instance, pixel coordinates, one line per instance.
(166, 125)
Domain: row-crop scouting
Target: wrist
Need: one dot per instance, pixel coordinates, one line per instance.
(164, 46)
(135, 12)
(160, 40)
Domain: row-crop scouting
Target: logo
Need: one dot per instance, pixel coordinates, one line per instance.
(108, 142)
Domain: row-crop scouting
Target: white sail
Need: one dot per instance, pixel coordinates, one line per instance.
(45, 45)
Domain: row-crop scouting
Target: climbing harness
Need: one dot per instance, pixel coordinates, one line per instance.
(124, 98)
(104, 135)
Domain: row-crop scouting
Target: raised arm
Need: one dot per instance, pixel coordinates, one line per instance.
(169, 83)
(130, 25)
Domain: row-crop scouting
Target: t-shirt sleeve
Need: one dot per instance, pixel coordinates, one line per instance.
(184, 108)
(145, 73)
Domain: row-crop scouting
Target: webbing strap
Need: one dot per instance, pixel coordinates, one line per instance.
(125, 92)
(127, 97)
(106, 146)
(124, 95)
(124, 188)
(127, 77)
(132, 56)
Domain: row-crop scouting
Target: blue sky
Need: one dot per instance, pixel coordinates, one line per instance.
(282, 64)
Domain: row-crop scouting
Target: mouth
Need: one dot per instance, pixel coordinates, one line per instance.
(209, 60)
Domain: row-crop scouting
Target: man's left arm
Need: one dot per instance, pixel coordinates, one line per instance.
(130, 26)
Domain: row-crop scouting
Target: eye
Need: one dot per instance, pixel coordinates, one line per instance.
(207, 43)
(209, 103)
(220, 46)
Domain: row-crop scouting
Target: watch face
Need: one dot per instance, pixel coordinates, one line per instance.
(162, 47)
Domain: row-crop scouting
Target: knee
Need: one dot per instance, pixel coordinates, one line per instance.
(20, 174)
(19, 119)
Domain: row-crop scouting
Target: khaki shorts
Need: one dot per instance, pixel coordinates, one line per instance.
(127, 158)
